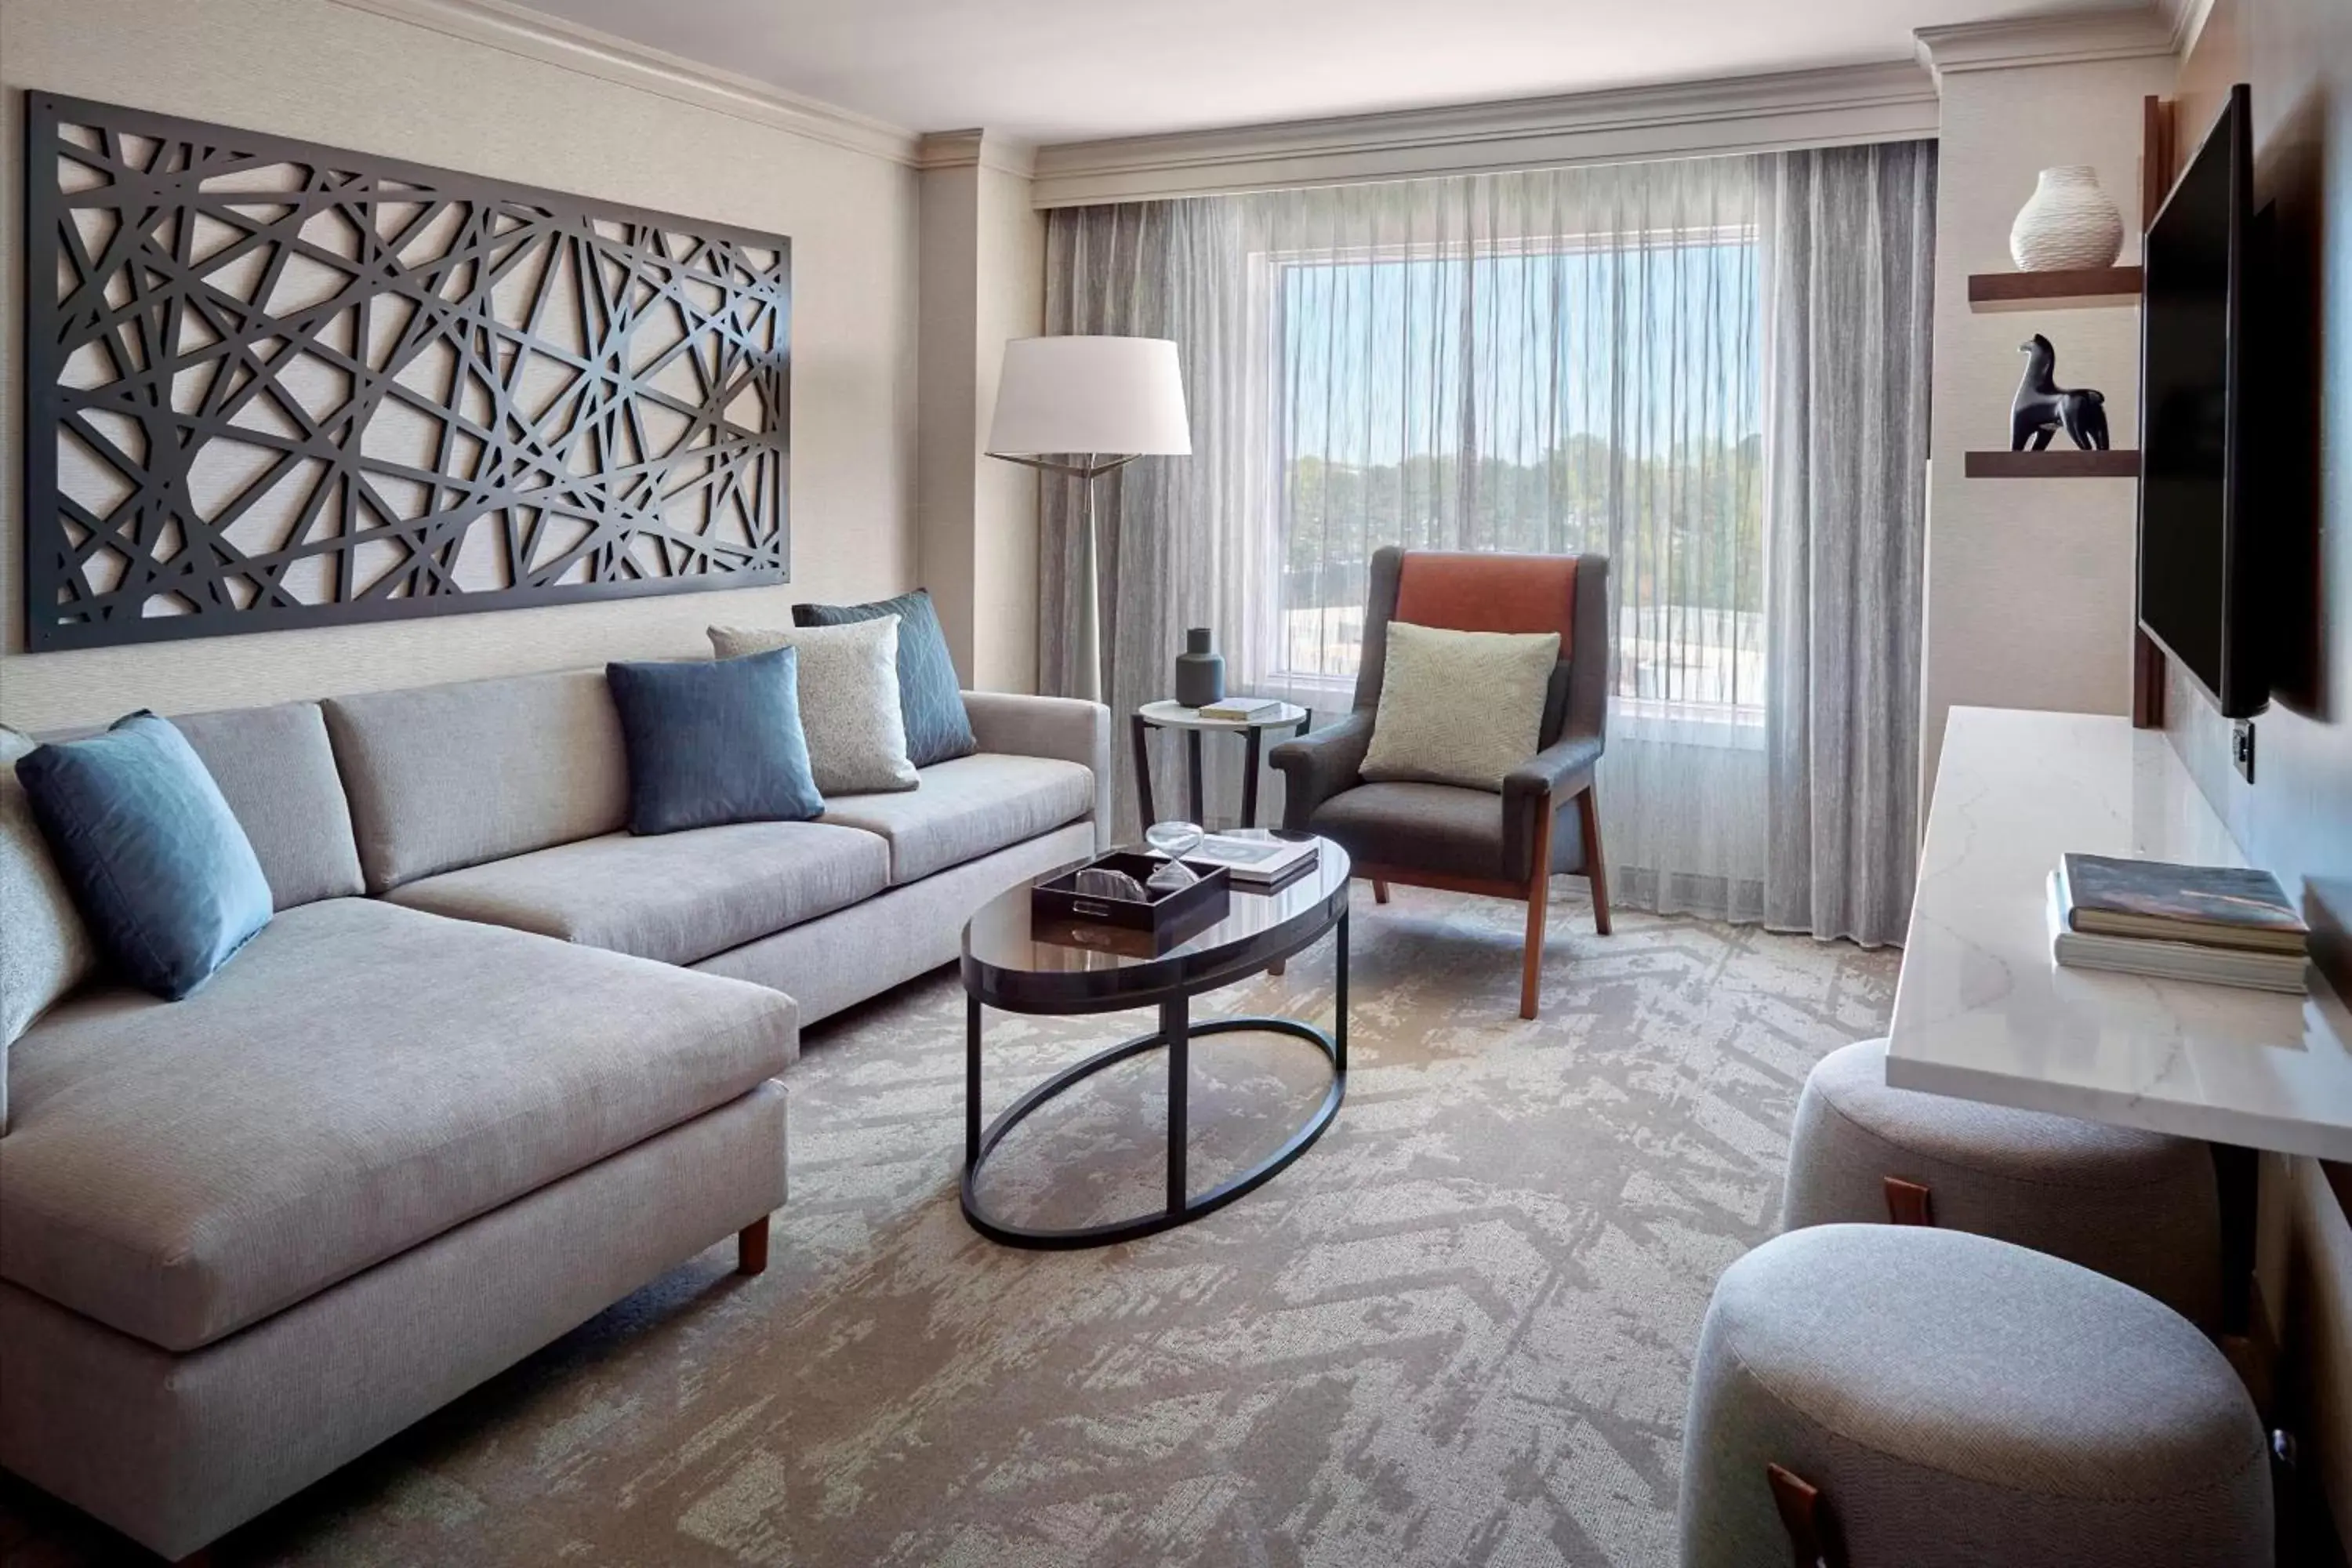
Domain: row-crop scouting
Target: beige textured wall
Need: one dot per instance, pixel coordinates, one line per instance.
(2029, 582)
(1010, 233)
(2296, 818)
(318, 70)
(984, 272)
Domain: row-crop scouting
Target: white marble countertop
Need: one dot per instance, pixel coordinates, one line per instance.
(1983, 1012)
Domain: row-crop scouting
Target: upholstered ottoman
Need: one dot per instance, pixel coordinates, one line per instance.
(1933, 1399)
(2137, 1206)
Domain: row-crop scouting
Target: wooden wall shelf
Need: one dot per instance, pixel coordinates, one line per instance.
(2057, 463)
(2083, 289)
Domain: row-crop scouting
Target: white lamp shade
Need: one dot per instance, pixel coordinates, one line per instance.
(1112, 396)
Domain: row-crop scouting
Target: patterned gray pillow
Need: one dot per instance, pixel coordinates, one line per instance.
(45, 949)
(1459, 708)
(848, 695)
(930, 700)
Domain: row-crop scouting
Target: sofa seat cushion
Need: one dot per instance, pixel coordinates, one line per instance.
(361, 1079)
(968, 807)
(674, 896)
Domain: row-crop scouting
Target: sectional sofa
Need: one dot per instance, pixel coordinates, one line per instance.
(493, 1065)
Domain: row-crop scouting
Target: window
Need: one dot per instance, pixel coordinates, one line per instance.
(1595, 393)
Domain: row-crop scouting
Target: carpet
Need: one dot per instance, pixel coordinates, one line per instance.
(1457, 1330)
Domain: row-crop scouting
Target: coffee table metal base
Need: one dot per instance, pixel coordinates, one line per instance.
(1177, 1032)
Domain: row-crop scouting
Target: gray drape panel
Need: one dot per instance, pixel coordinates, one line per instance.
(1155, 269)
(1849, 239)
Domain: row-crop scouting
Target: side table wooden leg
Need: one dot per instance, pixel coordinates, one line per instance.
(1249, 779)
(1196, 794)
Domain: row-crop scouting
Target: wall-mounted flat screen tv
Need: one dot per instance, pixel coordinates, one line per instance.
(2201, 594)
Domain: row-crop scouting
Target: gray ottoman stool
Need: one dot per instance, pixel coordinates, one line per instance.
(2137, 1206)
(1948, 1400)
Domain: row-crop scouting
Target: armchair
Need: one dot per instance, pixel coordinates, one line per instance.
(1472, 840)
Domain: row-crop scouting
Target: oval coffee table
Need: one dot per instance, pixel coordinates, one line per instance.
(1008, 966)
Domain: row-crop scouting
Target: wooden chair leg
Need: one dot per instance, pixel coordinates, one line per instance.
(1380, 891)
(751, 1247)
(1538, 910)
(1596, 864)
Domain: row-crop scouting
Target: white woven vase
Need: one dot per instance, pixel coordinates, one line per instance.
(2070, 223)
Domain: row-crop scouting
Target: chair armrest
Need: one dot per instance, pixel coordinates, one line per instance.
(1069, 728)
(1318, 766)
(1557, 773)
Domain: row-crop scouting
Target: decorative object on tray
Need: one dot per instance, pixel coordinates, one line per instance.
(1242, 709)
(1100, 882)
(2222, 925)
(1200, 674)
(1067, 901)
(2068, 223)
(2041, 406)
(1257, 858)
(1175, 840)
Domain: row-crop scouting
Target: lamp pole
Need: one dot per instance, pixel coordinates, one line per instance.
(1092, 681)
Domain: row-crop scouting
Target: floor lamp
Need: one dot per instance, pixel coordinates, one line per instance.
(1086, 406)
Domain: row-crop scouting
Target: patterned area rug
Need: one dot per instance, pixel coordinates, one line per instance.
(1457, 1330)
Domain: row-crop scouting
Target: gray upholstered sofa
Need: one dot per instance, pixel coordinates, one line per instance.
(404, 1138)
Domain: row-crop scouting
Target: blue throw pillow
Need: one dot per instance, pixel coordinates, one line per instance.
(717, 743)
(930, 699)
(163, 873)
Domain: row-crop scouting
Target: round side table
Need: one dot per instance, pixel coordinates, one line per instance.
(1164, 715)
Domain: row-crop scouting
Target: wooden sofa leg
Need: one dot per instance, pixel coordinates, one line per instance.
(1596, 865)
(751, 1247)
(1380, 891)
(1538, 910)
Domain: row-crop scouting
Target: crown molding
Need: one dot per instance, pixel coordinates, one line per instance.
(976, 149)
(2188, 19)
(2075, 38)
(551, 40)
(1889, 101)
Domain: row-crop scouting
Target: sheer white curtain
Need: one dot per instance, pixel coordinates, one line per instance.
(1555, 359)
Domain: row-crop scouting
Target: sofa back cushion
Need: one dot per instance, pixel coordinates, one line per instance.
(277, 771)
(444, 776)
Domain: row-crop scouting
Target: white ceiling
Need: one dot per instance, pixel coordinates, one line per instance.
(1061, 70)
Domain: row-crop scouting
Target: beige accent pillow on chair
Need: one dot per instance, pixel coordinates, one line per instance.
(1459, 708)
(45, 949)
(847, 678)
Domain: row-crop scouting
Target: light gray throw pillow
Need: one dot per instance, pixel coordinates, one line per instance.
(1459, 708)
(848, 695)
(45, 949)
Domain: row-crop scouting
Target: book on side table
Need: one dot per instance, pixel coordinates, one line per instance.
(2223, 925)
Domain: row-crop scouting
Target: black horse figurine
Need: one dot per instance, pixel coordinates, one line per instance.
(2041, 406)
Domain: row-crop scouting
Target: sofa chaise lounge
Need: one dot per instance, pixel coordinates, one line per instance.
(404, 1138)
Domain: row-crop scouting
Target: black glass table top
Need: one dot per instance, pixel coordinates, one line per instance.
(1007, 963)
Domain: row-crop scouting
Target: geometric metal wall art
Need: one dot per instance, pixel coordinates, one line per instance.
(274, 385)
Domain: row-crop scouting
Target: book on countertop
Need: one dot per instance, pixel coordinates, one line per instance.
(1240, 709)
(2248, 970)
(2209, 906)
(1254, 856)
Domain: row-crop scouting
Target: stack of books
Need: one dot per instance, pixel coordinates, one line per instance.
(2215, 923)
(1258, 858)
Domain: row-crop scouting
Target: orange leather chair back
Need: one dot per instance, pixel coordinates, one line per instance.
(1479, 592)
